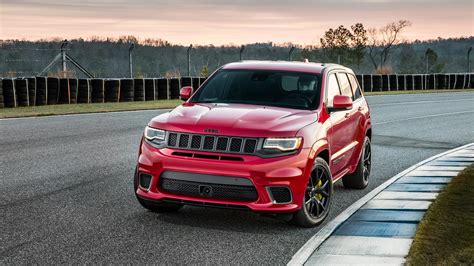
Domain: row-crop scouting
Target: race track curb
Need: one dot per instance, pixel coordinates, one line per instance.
(379, 228)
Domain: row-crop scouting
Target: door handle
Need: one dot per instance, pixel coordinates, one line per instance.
(360, 108)
(347, 115)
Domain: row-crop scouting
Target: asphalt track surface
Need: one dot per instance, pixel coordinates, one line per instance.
(66, 191)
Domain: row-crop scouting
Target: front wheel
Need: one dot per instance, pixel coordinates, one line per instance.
(360, 178)
(318, 196)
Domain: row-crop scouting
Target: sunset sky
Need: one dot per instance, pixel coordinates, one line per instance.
(228, 21)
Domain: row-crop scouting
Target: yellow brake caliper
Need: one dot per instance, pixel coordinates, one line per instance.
(318, 196)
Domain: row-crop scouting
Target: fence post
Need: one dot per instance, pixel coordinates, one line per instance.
(130, 61)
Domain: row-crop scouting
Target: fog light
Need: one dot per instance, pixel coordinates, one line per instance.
(145, 180)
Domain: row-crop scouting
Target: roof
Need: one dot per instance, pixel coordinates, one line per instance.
(315, 68)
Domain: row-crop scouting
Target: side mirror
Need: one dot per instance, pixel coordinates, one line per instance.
(185, 93)
(341, 103)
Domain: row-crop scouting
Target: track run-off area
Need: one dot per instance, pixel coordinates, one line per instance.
(66, 190)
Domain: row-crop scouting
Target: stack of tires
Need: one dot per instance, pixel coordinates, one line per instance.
(41, 91)
(418, 82)
(409, 82)
(32, 91)
(385, 83)
(139, 90)
(367, 83)
(2, 102)
(401, 82)
(376, 82)
(127, 90)
(111, 90)
(53, 90)
(21, 91)
(393, 82)
(64, 91)
(73, 85)
(174, 88)
(83, 91)
(453, 81)
(460, 80)
(202, 80)
(163, 89)
(195, 83)
(9, 93)
(441, 81)
(150, 90)
(97, 90)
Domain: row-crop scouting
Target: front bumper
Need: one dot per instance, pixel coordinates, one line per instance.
(287, 171)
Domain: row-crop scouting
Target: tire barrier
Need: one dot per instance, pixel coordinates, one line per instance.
(2, 103)
(32, 91)
(21, 91)
(202, 80)
(139, 90)
(53, 90)
(64, 91)
(195, 83)
(127, 90)
(441, 82)
(112, 90)
(385, 82)
(83, 91)
(367, 83)
(460, 80)
(73, 86)
(163, 89)
(41, 91)
(409, 85)
(37, 91)
(174, 87)
(401, 82)
(9, 94)
(186, 81)
(376, 83)
(97, 91)
(150, 90)
(430, 83)
(418, 82)
(393, 82)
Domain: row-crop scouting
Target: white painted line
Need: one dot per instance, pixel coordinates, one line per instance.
(447, 163)
(399, 195)
(397, 204)
(421, 117)
(302, 255)
(432, 173)
(441, 168)
(423, 180)
(419, 102)
(355, 260)
(371, 246)
(456, 159)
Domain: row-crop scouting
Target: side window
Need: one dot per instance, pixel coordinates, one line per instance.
(355, 87)
(332, 89)
(346, 89)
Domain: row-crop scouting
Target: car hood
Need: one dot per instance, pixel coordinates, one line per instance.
(235, 120)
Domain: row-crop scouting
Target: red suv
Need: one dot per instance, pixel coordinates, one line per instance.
(271, 137)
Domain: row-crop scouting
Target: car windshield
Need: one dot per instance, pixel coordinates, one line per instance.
(273, 88)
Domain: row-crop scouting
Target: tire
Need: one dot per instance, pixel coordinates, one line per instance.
(308, 216)
(360, 178)
(154, 206)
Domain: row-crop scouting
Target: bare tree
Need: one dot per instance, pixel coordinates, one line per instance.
(382, 41)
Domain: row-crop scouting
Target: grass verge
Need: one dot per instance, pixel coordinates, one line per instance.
(412, 92)
(63, 109)
(445, 235)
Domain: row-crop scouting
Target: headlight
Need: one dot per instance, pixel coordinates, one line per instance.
(152, 134)
(282, 144)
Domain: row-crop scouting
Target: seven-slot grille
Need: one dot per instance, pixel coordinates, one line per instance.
(211, 143)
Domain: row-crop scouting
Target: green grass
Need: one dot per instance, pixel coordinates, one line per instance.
(85, 108)
(445, 235)
(413, 92)
(130, 106)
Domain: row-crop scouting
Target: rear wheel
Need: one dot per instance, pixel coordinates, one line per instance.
(153, 205)
(360, 178)
(318, 196)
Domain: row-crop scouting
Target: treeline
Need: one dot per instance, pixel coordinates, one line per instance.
(108, 58)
